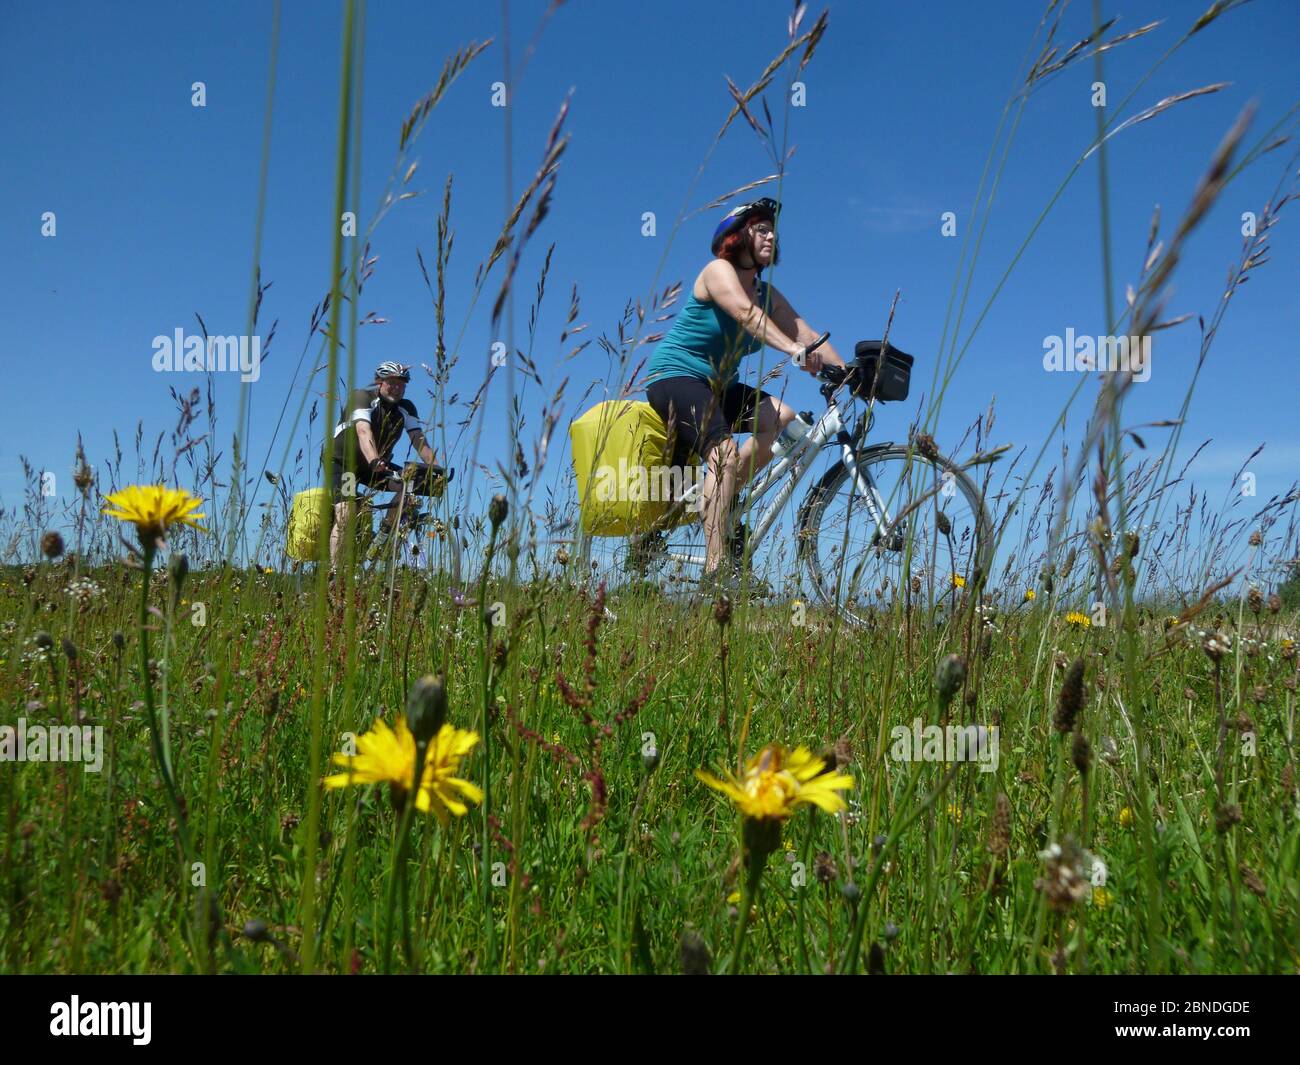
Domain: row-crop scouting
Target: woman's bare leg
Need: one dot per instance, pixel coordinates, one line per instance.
(736, 467)
(773, 416)
(719, 489)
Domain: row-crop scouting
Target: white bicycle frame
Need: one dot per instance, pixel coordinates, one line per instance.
(796, 463)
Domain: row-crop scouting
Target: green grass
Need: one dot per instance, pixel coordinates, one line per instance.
(95, 882)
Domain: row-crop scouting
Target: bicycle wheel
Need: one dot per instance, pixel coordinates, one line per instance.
(670, 559)
(932, 536)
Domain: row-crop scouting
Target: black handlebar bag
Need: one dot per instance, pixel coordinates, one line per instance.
(889, 368)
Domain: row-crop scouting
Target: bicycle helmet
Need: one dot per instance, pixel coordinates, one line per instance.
(392, 369)
(740, 216)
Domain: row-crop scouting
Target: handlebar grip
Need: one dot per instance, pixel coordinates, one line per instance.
(818, 342)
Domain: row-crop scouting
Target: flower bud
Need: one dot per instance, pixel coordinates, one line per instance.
(950, 677)
(426, 708)
(51, 545)
(722, 610)
(498, 508)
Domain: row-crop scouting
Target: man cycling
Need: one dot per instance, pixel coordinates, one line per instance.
(369, 429)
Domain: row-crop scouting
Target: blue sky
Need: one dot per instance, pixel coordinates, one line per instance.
(155, 201)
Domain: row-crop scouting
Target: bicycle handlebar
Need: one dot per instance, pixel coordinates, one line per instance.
(834, 375)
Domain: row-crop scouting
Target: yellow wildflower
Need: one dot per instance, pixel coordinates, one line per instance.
(776, 781)
(734, 900)
(958, 581)
(1125, 817)
(1102, 897)
(154, 509)
(1030, 595)
(385, 756)
(1075, 617)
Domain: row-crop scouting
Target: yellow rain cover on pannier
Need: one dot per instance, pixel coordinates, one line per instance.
(625, 480)
(304, 525)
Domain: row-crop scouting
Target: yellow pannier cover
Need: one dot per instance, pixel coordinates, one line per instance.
(304, 525)
(620, 460)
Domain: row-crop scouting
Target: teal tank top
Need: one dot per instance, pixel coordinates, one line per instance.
(704, 342)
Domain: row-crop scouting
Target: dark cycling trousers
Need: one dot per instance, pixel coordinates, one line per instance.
(697, 417)
(428, 480)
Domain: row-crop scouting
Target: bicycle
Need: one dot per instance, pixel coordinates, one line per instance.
(411, 521)
(926, 524)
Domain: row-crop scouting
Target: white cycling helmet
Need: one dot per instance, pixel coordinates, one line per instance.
(392, 369)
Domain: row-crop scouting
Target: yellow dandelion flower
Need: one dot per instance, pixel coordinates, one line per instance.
(1030, 595)
(1102, 897)
(388, 757)
(1075, 617)
(776, 781)
(153, 509)
(268, 569)
(958, 581)
(734, 900)
(1125, 817)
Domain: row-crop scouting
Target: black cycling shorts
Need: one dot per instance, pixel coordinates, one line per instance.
(697, 418)
(428, 480)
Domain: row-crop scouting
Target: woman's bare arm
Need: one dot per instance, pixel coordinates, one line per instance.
(726, 291)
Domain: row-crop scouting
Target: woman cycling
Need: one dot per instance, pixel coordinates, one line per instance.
(693, 376)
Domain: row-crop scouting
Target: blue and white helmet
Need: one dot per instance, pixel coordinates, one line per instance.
(392, 369)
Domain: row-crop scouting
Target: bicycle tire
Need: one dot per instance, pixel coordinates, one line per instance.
(915, 516)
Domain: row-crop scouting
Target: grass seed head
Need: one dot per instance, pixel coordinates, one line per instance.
(1071, 699)
(1081, 753)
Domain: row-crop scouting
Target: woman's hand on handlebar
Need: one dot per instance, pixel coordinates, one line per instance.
(806, 356)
